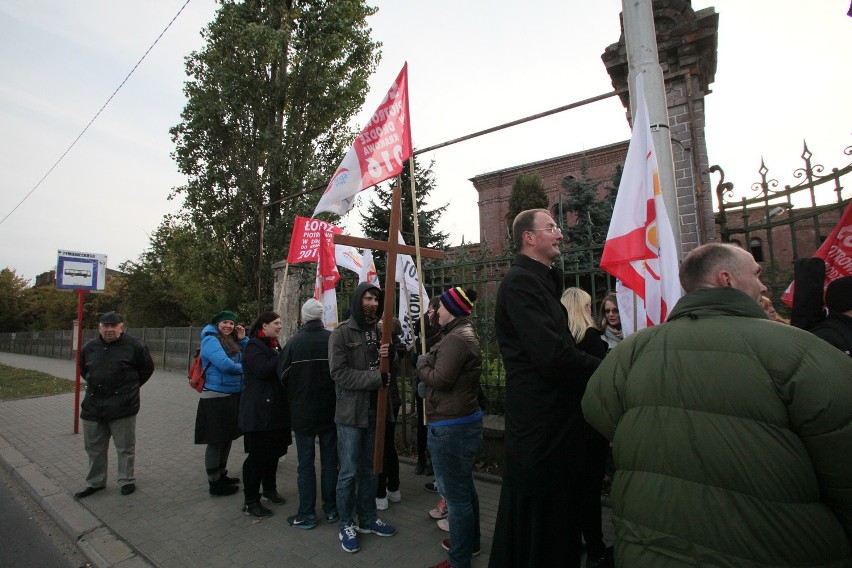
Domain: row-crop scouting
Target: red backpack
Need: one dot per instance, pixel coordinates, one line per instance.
(196, 372)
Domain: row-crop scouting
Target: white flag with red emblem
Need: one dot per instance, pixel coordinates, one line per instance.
(377, 154)
(640, 248)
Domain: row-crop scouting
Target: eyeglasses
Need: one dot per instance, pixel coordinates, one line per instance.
(552, 230)
(612, 311)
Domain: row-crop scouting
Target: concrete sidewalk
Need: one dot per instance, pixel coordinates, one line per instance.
(171, 520)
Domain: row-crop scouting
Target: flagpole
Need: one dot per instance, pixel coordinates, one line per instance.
(417, 258)
(640, 39)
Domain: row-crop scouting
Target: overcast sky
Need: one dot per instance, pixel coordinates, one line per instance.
(782, 76)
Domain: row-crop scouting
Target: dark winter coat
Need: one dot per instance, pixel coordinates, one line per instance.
(732, 438)
(546, 376)
(451, 372)
(263, 404)
(113, 373)
(303, 369)
(837, 330)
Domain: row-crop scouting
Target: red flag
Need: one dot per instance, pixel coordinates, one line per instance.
(836, 251)
(377, 154)
(640, 247)
(307, 239)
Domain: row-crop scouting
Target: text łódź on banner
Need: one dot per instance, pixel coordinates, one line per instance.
(640, 248)
(377, 154)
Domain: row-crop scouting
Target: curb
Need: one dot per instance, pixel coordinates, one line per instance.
(96, 541)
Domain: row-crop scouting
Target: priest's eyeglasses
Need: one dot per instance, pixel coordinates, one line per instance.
(552, 229)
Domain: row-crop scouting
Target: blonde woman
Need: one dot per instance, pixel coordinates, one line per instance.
(585, 332)
(581, 324)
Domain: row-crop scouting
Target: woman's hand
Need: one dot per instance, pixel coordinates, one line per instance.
(241, 332)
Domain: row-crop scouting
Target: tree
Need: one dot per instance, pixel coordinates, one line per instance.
(269, 100)
(12, 292)
(172, 283)
(591, 210)
(377, 217)
(527, 193)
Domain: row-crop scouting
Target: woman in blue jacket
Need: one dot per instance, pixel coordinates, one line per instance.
(222, 343)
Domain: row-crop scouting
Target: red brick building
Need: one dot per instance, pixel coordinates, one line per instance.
(686, 42)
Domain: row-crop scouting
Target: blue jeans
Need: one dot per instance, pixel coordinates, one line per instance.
(355, 452)
(453, 450)
(307, 477)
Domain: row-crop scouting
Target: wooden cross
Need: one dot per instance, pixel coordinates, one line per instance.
(392, 247)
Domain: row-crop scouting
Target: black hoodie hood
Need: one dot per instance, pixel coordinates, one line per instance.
(357, 312)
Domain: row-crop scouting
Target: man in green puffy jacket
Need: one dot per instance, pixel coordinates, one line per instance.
(732, 435)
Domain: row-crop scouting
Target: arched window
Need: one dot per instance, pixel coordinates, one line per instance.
(755, 245)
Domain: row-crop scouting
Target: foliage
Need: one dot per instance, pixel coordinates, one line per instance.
(24, 383)
(591, 211)
(527, 193)
(377, 217)
(47, 308)
(12, 291)
(269, 99)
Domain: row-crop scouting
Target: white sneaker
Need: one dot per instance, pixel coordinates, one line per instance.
(381, 504)
(444, 525)
(394, 496)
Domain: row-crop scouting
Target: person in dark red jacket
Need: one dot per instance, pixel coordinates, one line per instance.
(114, 366)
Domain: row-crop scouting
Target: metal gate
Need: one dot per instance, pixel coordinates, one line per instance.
(779, 225)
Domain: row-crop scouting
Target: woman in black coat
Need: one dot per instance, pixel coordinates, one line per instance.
(264, 415)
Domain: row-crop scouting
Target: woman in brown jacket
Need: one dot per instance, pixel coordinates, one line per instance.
(450, 381)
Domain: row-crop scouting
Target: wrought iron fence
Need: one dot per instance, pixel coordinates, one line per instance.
(781, 225)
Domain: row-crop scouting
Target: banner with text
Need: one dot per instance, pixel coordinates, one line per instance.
(377, 154)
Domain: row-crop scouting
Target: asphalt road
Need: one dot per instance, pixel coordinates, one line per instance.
(28, 536)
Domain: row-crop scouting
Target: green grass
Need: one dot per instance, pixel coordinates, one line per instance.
(23, 383)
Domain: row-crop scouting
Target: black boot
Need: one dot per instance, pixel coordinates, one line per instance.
(255, 509)
(220, 487)
(228, 480)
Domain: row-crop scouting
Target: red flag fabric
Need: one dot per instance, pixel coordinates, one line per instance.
(836, 251)
(308, 238)
(640, 248)
(377, 154)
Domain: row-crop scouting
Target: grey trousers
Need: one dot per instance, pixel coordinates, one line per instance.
(96, 439)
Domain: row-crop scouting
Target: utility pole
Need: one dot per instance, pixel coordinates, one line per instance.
(640, 38)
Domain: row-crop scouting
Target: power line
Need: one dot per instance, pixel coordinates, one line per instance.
(97, 114)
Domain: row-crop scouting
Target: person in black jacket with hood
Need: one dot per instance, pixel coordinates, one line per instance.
(114, 366)
(303, 370)
(264, 415)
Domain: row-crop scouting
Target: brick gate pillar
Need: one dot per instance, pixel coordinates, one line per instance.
(687, 45)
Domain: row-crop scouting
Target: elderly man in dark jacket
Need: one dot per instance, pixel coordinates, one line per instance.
(538, 523)
(731, 433)
(114, 366)
(303, 368)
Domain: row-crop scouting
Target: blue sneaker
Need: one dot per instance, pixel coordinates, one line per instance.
(377, 527)
(349, 539)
